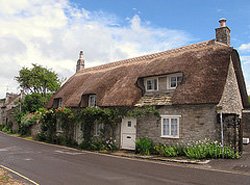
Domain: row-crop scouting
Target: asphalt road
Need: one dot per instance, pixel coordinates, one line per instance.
(51, 165)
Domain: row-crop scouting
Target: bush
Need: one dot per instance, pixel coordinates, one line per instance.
(27, 121)
(1, 127)
(99, 143)
(144, 146)
(169, 151)
(7, 129)
(208, 149)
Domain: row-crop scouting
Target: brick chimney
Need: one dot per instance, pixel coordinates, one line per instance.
(80, 62)
(223, 32)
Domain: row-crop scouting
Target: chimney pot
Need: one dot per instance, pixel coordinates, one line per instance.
(223, 32)
(80, 62)
(222, 22)
(81, 55)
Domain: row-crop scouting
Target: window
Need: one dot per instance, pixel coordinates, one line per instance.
(92, 100)
(170, 126)
(57, 103)
(129, 123)
(98, 128)
(152, 84)
(60, 102)
(174, 81)
(59, 126)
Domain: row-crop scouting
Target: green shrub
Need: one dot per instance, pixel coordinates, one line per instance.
(7, 129)
(168, 151)
(1, 127)
(99, 143)
(27, 121)
(144, 146)
(208, 149)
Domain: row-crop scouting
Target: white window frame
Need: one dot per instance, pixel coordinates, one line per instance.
(59, 126)
(169, 80)
(92, 103)
(178, 125)
(97, 128)
(151, 79)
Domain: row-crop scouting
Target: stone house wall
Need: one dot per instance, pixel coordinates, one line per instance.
(231, 101)
(197, 122)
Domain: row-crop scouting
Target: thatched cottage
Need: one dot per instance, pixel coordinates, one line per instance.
(192, 87)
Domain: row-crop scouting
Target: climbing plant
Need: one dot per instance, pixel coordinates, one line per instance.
(110, 117)
(48, 126)
(65, 117)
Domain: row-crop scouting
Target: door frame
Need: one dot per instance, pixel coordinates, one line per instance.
(122, 132)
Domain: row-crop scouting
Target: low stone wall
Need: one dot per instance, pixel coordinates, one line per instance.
(35, 129)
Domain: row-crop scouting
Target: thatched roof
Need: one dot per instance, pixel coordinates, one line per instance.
(204, 67)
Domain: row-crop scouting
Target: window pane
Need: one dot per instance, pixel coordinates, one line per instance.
(155, 84)
(92, 100)
(179, 79)
(174, 127)
(173, 82)
(165, 126)
(149, 85)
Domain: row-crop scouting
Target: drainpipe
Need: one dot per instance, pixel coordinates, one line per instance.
(219, 110)
(222, 133)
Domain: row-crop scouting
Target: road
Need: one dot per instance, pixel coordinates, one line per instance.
(52, 165)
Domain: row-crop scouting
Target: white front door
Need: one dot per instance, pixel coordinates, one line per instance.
(128, 133)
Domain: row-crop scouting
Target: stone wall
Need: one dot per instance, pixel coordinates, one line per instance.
(35, 129)
(246, 124)
(197, 122)
(231, 101)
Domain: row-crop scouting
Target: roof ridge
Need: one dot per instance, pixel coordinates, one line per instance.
(148, 56)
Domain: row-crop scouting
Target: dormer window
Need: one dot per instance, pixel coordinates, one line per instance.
(151, 84)
(92, 100)
(174, 80)
(57, 103)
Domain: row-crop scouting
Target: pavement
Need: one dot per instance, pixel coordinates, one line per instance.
(53, 165)
(241, 165)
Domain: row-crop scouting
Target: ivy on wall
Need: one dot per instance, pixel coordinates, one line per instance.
(86, 118)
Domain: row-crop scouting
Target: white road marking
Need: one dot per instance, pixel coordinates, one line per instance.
(18, 174)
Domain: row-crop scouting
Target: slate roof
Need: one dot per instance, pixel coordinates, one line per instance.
(204, 67)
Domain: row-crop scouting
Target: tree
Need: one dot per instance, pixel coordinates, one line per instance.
(33, 102)
(249, 99)
(38, 80)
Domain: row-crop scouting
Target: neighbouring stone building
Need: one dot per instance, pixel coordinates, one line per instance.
(8, 107)
(198, 89)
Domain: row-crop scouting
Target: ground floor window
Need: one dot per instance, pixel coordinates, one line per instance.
(98, 128)
(170, 126)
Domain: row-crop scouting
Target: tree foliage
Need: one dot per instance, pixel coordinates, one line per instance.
(38, 80)
(33, 102)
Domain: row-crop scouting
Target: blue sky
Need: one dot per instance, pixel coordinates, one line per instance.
(52, 33)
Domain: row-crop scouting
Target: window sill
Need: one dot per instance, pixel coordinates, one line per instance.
(171, 137)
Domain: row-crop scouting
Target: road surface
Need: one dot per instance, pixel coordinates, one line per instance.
(52, 165)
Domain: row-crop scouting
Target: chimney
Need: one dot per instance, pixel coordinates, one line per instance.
(223, 32)
(80, 62)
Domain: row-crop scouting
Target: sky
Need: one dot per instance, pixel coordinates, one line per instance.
(51, 33)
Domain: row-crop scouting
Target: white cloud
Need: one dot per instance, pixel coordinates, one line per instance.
(51, 33)
(245, 47)
(246, 71)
